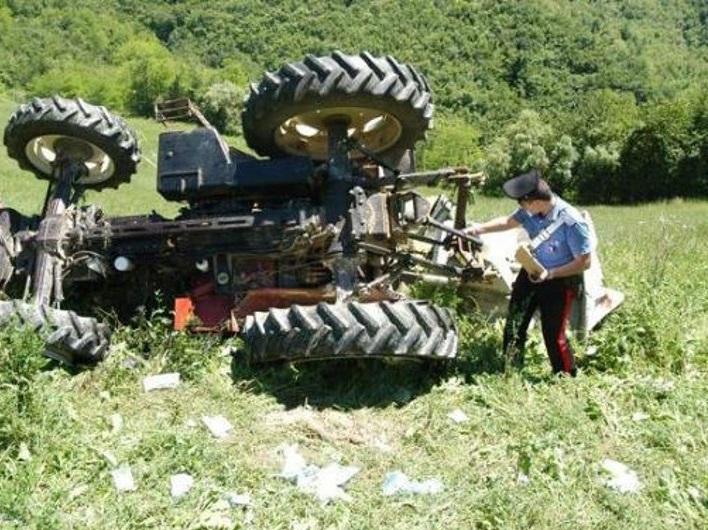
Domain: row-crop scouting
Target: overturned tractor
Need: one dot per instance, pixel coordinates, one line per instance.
(301, 251)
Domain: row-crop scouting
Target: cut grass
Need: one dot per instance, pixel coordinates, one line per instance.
(527, 456)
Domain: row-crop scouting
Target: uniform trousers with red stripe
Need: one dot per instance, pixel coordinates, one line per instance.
(553, 299)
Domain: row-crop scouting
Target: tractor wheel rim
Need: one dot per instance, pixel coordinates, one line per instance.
(307, 133)
(42, 153)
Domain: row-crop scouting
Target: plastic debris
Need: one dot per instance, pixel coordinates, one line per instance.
(237, 500)
(694, 493)
(397, 482)
(180, 484)
(621, 478)
(294, 463)
(457, 416)
(640, 416)
(218, 426)
(123, 479)
(116, 422)
(324, 483)
(24, 454)
(161, 381)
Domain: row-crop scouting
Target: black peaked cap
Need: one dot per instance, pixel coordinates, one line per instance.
(519, 187)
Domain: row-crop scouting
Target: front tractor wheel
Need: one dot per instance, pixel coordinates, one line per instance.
(402, 329)
(46, 130)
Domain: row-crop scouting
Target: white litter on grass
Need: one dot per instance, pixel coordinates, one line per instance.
(237, 500)
(457, 416)
(397, 482)
(523, 479)
(621, 478)
(24, 453)
(180, 484)
(218, 515)
(324, 483)
(218, 426)
(161, 381)
(694, 493)
(116, 422)
(638, 417)
(123, 479)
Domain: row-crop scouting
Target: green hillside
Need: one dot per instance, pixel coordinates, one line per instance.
(605, 96)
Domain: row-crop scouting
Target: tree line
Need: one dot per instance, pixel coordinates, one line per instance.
(607, 97)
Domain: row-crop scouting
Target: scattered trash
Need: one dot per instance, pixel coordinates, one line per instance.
(218, 426)
(180, 484)
(325, 483)
(24, 453)
(237, 500)
(458, 416)
(622, 479)
(116, 422)
(218, 515)
(398, 482)
(694, 493)
(640, 416)
(161, 381)
(123, 479)
(523, 479)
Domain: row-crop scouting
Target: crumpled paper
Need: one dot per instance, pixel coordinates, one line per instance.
(397, 482)
(620, 477)
(324, 483)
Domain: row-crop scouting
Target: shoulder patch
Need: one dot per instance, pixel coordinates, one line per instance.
(570, 218)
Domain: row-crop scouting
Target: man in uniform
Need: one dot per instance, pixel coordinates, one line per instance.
(560, 242)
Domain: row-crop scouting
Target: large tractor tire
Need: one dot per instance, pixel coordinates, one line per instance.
(403, 329)
(69, 338)
(387, 104)
(41, 131)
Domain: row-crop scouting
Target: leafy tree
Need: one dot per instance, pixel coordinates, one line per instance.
(521, 147)
(597, 172)
(151, 71)
(452, 143)
(99, 84)
(653, 155)
(222, 104)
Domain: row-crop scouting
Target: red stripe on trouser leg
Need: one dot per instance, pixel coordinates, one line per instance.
(562, 339)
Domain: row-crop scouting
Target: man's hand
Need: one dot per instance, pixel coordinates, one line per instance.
(474, 229)
(546, 274)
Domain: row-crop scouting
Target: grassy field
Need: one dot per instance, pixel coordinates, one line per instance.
(512, 451)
